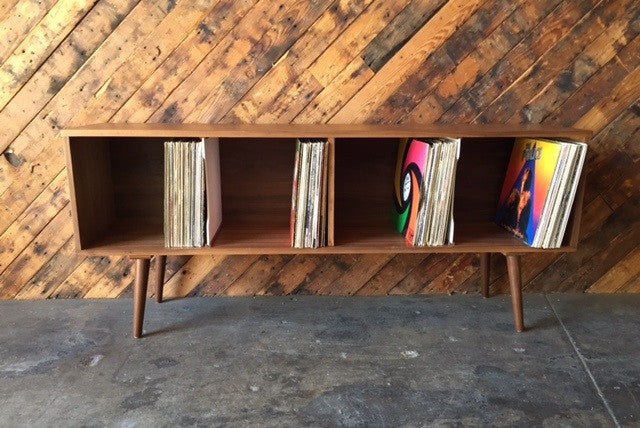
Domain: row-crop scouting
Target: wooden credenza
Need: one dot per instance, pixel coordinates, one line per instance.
(116, 186)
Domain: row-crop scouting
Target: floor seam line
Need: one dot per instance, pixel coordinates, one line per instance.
(584, 363)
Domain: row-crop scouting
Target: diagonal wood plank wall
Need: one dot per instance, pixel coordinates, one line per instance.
(74, 62)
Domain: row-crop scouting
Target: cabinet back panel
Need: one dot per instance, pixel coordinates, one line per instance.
(256, 176)
(365, 169)
(480, 173)
(137, 166)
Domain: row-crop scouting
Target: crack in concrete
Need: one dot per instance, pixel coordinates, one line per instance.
(583, 360)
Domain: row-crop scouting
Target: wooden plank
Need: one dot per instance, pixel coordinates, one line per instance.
(543, 37)
(82, 86)
(190, 275)
(605, 48)
(457, 272)
(390, 274)
(625, 93)
(223, 274)
(129, 28)
(99, 290)
(537, 77)
(618, 136)
(40, 138)
(33, 220)
(598, 265)
(38, 44)
(423, 274)
(478, 29)
(336, 93)
(249, 56)
(66, 60)
(293, 274)
(143, 61)
(593, 215)
(628, 124)
(257, 278)
(354, 277)
(210, 32)
(289, 102)
(91, 278)
(329, 270)
(490, 51)
(290, 70)
(459, 96)
(186, 130)
(406, 61)
(632, 286)
(356, 37)
(6, 7)
(395, 35)
(45, 246)
(564, 268)
(17, 21)
(48, 278)
(627, 269)
(599, 85)
(426, 111)
(625, 182)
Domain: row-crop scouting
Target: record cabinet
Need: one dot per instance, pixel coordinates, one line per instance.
(116, 186)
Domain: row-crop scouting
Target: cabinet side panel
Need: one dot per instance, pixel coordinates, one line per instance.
(72, 191)
(91, 188)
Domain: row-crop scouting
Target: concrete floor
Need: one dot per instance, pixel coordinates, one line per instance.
(322, 361)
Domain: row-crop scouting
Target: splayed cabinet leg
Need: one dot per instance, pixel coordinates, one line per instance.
(515, 283)
(484, 272)
(161, 264)
(140, 294)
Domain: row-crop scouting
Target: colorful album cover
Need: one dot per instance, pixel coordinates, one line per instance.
(410, 167)
(526, 185)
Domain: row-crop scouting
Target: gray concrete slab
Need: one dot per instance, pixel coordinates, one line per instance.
(303, 361)
(606, 332)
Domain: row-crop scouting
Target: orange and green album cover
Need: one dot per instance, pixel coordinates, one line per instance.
(526, 185)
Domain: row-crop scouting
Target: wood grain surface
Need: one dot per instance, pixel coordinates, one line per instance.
(73, 63)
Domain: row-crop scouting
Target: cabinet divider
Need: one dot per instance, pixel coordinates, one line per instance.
(331, 192)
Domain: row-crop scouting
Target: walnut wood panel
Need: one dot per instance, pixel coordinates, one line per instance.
(256, 178)
(322, 130)
(91, 182)
(547, 63)
(256, 194)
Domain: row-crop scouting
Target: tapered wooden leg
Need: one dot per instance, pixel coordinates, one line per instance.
(484, 271)
(161, 264)
(515, 282)
(140, 295)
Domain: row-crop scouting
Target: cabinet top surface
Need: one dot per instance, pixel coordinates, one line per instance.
(166, 130)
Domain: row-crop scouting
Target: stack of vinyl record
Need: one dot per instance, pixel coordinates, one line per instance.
(192, 196)
(539, 190)
(424, 187)
(309, 194)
